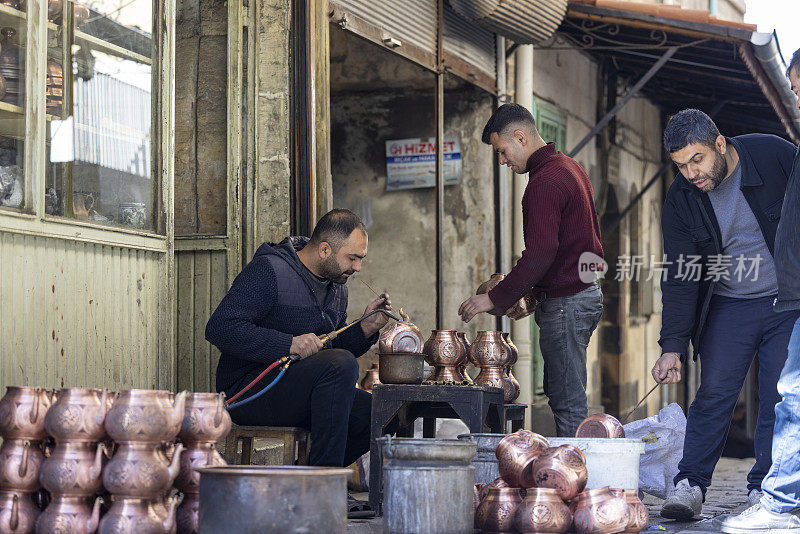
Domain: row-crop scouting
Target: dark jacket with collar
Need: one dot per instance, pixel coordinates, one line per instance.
(268, 304)
(787, 244)
(690, 228)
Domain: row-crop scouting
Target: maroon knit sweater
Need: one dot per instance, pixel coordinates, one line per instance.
(559, 224)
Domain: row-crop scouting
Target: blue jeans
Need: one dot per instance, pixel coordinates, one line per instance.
(736, 330)
(781, 486)
(565, 327)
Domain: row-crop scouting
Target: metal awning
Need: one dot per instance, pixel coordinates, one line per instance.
(522, 21)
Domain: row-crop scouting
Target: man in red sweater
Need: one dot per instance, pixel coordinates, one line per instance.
(559, 227)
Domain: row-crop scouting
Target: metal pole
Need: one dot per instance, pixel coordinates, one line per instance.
(439, 117)
(502, 177)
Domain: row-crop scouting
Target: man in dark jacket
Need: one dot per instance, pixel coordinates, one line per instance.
(779, 508)
(282, 301)
(719, 222)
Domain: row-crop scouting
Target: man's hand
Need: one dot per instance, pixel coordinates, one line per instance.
(373, 323)
(667, 369)
(475, 305)
(305, 345)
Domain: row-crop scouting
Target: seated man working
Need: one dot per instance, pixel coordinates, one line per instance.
(283, 300)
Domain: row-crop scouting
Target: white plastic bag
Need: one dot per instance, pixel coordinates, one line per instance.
(659, 463)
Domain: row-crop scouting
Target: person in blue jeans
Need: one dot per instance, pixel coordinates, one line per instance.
(721, 214)
(778, 511)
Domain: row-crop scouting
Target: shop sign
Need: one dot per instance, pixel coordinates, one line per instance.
(411, 163)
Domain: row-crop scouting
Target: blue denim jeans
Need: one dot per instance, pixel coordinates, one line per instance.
(565, 327)
(781, 486)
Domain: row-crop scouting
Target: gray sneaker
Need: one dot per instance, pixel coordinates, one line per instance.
(759, 519)
(754, 497)
(684, 503)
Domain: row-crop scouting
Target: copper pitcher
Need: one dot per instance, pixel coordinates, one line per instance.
(205, 419)
(542, 511)
(497, 377)
(22, 413)
(600, 425)
(188, 514)
(74, 468)
(445, 352)
(598, 511)
(200, 455)
(371, 378)
(402, 336)
(78, 414)
(145, 415)
(496, 511)
(20, 460)
(515, 454)
(136, 470)
(135, 515)
(514, 383)
(511, 347)
(489, 350)
(562, 469)
(175, 406)
(523, 307)
(639, 517)
(17, 512)
(69, 515)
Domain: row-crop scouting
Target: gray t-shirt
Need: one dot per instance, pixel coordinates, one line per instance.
(746, 269)
(319, 286)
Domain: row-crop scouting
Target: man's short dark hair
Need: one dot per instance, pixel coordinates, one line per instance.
(687, 127)
(335, 227)
(505, 116)
(794, 64)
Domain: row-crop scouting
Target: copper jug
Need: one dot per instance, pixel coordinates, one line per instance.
(523, 307)
(145, 415)
(20, 460)
(496, 511)
(22, 413)
(69, 515)
(371, 378)
(205, 419)
(515, 454)
(639, 517)
(12, 67)
(17, 512)
(542, 511)
(78, 414)
(600, 425)
(598, 511)
(74, 468)
(462, 367)
(199, 455)
(444, 351)
(489, 350)
(136, 470)
(135, 515)
(514, 382)
(188, 514)
(401, 337)
(562, 469)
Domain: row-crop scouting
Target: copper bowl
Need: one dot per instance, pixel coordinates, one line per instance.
(600, 425)
(562, 469)
(542, 511)
(496, 511)
(639, 517)
(401, 368)
(598, 511)
(516, 454)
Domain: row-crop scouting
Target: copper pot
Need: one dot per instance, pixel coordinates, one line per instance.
(78, 414)
(514, 383)
(489, 350)
(522, 308)
(542, 511)
(445, 352)
(598, 511)
(496, 377)
(513, 348)
(205, 418)
(20, 460)
(135, 515)
(515, 454)
(462, 367)
(199, 455)
(402, 336)
(562, 469)
(162, 506)
(136, 470)
(17, 512)
(476, 495)
(188, 514)
(496, 483)
(496, 511)
(74, 468)
(69, 515)
(371, 378)
(145, 415)
(600, 425)
(639, 517)
(22, 413)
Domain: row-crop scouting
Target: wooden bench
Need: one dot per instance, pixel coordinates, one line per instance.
(296, 442)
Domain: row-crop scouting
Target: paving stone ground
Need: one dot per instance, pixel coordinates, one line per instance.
(727, 495)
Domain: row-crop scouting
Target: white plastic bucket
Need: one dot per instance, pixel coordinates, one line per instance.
(612, 462)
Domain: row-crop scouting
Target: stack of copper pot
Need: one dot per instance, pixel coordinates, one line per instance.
(205, 422)
(144, 425)
(542, 489)
(494, 353)
(22, 427)
(73, 471)
(446, 351)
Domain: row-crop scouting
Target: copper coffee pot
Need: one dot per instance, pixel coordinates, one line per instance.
(598, 511)
(199, 455)
(175, 406)
(22, 413)
(74, 468)
(401, 337)
(136, 470)
(78, 414)
(145, 415)
(542, 511)
(20, 460)
(205, 420)
(524, 306)
(371, 378)
(639, 517)
(71, 514)
(161, 507)
(17, 512)
(496, 511)
(445, 352)
(515, 454)
(134, 515)
(562, 469)
(600, 425)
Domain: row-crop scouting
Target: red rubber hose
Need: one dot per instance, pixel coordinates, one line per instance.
(254, 382)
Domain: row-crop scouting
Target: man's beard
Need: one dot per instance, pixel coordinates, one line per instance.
(716, 175)
(331, 271)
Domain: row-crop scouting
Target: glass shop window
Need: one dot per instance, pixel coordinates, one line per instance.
(99, 101)
(12, 100)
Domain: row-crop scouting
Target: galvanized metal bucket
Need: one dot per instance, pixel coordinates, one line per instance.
(485, 462)
(273, 499)
(428, 486)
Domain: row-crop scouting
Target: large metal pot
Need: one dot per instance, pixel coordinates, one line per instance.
(255, 499)
(485, 462)
(401, 368)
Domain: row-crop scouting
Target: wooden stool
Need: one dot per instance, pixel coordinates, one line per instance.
(296, 442)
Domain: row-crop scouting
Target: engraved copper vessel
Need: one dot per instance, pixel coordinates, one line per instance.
(145, 415)
(136, 470)
(562, 469)
(516, 454)
(600, 425)
(187, 516)
(522, 308)
(492, 354)
(598, 511)
(199, 455)
(74, 468)
(639, 517)
(444, 351)
(402, 336)
(371, 378)
(496, 511)
(476, 495)
(513, 348)
(69, 515)
(496, 483)
(22, 413)
(205, 419)
(162, 507)
(135, 515)
(20, 460)
(78, 414)
(17, 512)
(542, 511)
(462, 367)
